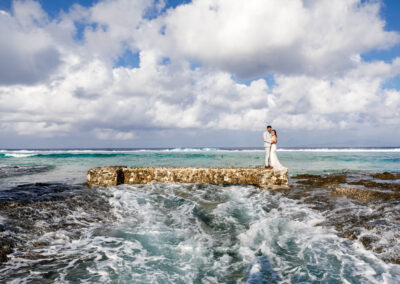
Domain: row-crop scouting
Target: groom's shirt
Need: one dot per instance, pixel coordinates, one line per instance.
(267, 139)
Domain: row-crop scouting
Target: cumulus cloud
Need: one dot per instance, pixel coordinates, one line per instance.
(252, 38)
(110, 134)
(27, 54)
(353, 100)
(64, 78)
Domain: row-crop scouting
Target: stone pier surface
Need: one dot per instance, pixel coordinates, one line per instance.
(258, 176)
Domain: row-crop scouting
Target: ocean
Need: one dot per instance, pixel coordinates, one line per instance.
(54, 229)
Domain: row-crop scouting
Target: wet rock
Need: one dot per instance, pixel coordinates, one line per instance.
(386, 176)
(378, 185)
(351, 235)
(369, 215)
(365, 195)
(319, 202)
(306, 176)
(14, 170)
(6, 247)
(392, 260)
(32, 210)
(317, 181)
(39, 244)
(266, 178)
(368, 241)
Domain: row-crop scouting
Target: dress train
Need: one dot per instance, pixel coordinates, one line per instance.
(277, 166)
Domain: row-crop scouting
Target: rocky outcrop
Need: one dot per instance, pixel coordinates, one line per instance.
(317, 181)
(6, 246)
(115, 175)
(364, 194)
(387, 176)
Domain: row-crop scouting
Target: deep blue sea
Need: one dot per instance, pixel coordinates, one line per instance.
(64, 232)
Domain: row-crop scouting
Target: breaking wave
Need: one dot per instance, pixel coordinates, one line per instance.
(127, 152)
(174, 233)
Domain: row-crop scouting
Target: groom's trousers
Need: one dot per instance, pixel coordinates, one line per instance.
(267, 154)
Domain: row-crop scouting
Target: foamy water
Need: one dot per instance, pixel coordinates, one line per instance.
(182, 233)
(210, 234)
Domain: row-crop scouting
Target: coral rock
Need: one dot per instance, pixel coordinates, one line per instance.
(115, 175)
(365, 195)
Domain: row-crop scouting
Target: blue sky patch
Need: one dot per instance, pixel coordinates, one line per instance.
(390, 13)
(153, 12)
(128, 59)
(194, 64)
(382, 55)
(165, 61)
(393, 83)
(52, 7)
(269, 79)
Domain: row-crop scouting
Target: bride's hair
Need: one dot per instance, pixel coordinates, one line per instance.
(275, 132)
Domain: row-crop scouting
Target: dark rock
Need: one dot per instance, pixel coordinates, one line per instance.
(392, 260)
(367, 241)
(353, 218)
(6, 247)
(48, 204)
(386, 176)
(306, 176)
(379, 185)
(317, 181)
(365, 195)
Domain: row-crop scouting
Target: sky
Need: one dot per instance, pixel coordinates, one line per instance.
(201, 73)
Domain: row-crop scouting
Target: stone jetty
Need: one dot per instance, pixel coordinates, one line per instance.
(258, 176)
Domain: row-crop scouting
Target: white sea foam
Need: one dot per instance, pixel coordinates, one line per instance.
(27, 153)
(283, 234)
(349, 150)
(190, 150)
(19, 155)
(190, 233)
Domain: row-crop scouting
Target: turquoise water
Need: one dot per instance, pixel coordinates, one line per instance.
(76, 163)
(180, 233)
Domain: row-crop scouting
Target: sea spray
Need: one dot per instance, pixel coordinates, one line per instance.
(190, 233)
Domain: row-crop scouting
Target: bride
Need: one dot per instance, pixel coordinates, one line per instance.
(274, 158)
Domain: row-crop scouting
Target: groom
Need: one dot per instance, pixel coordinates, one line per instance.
(267, 146)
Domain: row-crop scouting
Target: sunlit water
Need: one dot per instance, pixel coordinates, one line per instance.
(179, 233)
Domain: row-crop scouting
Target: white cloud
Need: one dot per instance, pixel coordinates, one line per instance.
(110, 134)
(312, 48)
(27, 53)
(29, 13)
(42, 129)
(252, 38)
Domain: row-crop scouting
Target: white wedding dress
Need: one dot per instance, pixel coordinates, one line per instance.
(276, 165)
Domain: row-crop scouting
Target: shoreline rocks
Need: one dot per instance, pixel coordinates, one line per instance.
(6, 247)
(365, 195)
(386, 176)
(258, 176)
(367, 210)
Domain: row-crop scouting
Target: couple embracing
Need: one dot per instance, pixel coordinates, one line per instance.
(270, 141)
